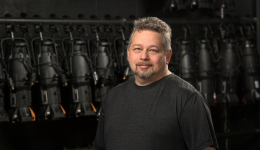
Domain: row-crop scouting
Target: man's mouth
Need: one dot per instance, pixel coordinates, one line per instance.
(144, 65)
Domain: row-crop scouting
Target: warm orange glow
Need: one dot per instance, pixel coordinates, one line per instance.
(62, 109)
(33, 114)
(93, 107)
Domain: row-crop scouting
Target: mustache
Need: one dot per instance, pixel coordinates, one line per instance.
(144, 63)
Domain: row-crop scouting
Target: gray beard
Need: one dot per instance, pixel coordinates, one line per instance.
(143, 76)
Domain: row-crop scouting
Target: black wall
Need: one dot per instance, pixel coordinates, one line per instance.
(80, 132)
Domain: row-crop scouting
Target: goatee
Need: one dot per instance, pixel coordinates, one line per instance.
(143, 75)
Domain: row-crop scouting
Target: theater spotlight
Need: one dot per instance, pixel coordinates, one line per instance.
(205, 68)
(20, 76)
(101, 54)
(250, 65)
(228, 67)
(49, 74)
(80, 73)
(187, 57)
(121, 45)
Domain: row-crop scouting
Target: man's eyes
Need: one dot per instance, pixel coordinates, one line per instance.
(137, 48)
(153, 50)
(150, 50)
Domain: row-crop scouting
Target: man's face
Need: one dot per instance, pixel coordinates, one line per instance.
(146, 54)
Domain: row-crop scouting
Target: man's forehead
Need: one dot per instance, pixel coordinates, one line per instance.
(155, 40)
(142, 45)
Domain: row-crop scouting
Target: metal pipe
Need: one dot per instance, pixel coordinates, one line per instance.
(62, 21)
(124, 21)
(210, 21)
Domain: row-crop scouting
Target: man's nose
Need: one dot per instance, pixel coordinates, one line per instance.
(144, 55)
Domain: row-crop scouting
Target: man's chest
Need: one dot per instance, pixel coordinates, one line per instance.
(153, 117)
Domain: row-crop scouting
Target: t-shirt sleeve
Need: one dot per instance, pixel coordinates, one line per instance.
(99, 143)
(196, 124)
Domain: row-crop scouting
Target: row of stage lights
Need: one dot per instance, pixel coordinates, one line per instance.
(88, 68)
(220, 66)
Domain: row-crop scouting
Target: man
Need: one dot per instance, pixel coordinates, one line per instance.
(156, 110)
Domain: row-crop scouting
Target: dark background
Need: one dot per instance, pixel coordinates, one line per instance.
(79, 132)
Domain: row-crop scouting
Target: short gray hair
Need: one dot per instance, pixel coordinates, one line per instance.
(153, 24)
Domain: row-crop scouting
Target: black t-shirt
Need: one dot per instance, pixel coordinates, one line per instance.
(168, 114)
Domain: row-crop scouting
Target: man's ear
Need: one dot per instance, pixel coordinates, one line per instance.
(127, 54)
(168, 56)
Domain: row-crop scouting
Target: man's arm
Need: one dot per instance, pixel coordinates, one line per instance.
(196, 125)
(209, 148)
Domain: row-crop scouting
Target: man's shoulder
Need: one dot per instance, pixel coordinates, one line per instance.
(177, 86)
(177, 83)
(180, 88)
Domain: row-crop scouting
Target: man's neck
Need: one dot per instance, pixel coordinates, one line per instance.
(144, 82)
